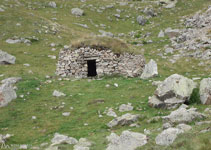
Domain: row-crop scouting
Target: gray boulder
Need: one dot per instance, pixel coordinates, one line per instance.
(150, 70)
(205, 91)
(125, 107)
(77, 12)
(126, 141)
(11, 80)
(184, 127)
(7, 94)
(168, 136)
(6, 58)
(125, 119)
(183, 115)
(83, 144)
(175, 86)
(58, 93)
(52, 4)
(141, 20)
(172, 32)
(62, 139)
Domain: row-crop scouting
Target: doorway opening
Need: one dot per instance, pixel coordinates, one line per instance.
(92, 72)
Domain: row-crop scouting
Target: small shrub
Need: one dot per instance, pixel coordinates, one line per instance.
(195, 97)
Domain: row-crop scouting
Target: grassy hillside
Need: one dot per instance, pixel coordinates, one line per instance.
(27, 18)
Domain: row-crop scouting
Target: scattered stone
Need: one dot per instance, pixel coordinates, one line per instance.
(205, 91)
(168, 136)
(141, 20)
(62, 139)
(183, 115)
(161, 34)
(4, 138)
(184, 127)
(34, 117)
(172, 32)
(11, 80)
(150, 70)
(83, 144)
(77, 12)
(111, 113)
(58, 94)
(166, 125)
(52, 4)
(126, 141)
(116, 85)
(6, 58)
(66, 114)
(125, 107)
(104, 33)
(23, 146)
(125, 119)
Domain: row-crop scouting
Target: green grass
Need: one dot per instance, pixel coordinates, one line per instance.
(81, 94)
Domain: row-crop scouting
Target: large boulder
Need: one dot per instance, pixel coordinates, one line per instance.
(125, 119)
(126, 141)
(205, 91)
(6, 58)
(7, 94)
(168, 136)
(77, 12)
(174, 90)
(183, 115)
(150, 70)
(175, 86)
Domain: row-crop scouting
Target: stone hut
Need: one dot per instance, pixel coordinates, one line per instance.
(88, 61)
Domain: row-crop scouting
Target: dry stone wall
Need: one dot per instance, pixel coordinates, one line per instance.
(73, 63)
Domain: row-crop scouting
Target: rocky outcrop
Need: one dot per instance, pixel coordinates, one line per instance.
(7, 92)
(205, 91)
(125, 119)
(150, 70)
(174, 90)
(168, 136)
(126, 141)
(183, 115)
(6, 58)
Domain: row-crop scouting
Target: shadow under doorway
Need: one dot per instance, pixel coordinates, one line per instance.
(92, 72)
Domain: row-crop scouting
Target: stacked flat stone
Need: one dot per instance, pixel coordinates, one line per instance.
(73, 63)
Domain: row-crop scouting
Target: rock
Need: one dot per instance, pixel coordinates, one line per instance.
(183, 115)
(172, 32)
(124, 107)
(13, 41)
(205, 91)
(52, 4)
(108, 34)
(11, 80)
(77, 12)
(202, 122)
(4, 138)
(161, 34)
(7, 94)
(156, 83)
(168, 136)
(175, 86)
(1, 9)
(83, 144)
(66, 114)
(184, 127)
(62, 139)
(58, 94)
(126, 141)
(150, 70)
(111, 113)
(168, 3)
(169, 50)
(166, 125)
(6, 58)
(23, 147)
(155, 102)
(141, 20)
(125, 119)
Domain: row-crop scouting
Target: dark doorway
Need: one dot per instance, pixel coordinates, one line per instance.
(91, 68)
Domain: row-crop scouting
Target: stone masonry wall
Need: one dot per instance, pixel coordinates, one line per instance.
(73, 63)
